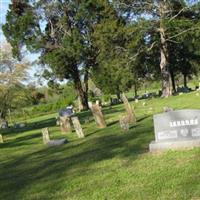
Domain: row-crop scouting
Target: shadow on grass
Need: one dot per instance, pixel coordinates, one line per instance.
(45, 165)
(30, 126)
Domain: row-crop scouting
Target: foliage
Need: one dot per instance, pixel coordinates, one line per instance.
(12, 73)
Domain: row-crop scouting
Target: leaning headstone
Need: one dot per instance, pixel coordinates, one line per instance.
(128, 108)
(124, 123)
(77, 127)
(45, 135)
(98, 116)
(1, 138)
(176, 130)
(65, 125)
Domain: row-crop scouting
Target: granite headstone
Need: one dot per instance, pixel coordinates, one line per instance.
(176, 129)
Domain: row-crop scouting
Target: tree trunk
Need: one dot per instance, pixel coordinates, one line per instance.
(164, 54)
(135, 89)
(173, 81)
(80, 91)
(185, 80)
(165, 74)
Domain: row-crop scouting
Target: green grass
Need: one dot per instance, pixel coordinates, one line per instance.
(107, 164)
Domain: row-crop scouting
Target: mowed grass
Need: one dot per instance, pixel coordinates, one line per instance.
(107, 164)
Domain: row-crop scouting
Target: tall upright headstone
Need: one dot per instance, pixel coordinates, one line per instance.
(65, 125)
(98, 116)
(1, 138)
(77, 127)
(45, 135)
(128, 108)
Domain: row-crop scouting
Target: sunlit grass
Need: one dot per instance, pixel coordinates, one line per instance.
(107, 164)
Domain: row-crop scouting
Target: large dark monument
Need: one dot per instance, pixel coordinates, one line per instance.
(176, 130)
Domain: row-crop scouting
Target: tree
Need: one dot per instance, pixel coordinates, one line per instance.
(61, 32)
(12, 73)
(160, 17)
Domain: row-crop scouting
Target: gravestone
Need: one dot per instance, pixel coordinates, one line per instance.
(124, 123)
(77, 127)
(3, 124)
(128, 108)
(176, 129)
(98, 116)
(1, 138)
(167, 109)
(45, 135)
(47, 141)
(65, 125)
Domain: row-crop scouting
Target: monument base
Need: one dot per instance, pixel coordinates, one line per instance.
(163, 146)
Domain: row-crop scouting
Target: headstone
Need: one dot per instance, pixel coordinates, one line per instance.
(77, 127)
(144, 103)
(65, 125)
(167, 109)
(56, 142)
(128, 108)
(176, 129)
(98, 102)
(124, 123)
(45, 135)
(89, 104)
(3, 124)
(98, 116)
(47, 141)
(1, 138)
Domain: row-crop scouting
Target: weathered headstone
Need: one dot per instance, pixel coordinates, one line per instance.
(47, 141)
(45, 135)
(176, 129)
(128, 108)
(65, 125)
(77, 127)
(124, 123)
(1, 138)
(3, 124)
(98, 116)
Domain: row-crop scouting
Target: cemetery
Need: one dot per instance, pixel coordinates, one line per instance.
(107, 162)
(99, 100)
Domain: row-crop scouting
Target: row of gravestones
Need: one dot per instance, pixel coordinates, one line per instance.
(65, 125)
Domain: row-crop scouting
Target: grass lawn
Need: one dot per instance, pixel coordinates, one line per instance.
(107, 164)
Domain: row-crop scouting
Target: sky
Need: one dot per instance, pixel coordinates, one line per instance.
(4, 4)
(3, 10)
